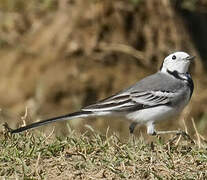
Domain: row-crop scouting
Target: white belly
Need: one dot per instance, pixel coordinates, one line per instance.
(153, 114)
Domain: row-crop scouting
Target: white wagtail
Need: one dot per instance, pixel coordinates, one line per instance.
(157, 97)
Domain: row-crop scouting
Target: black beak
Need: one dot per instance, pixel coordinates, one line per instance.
(190, 58)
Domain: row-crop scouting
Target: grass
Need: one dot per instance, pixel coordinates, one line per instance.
(96, 156)
(90, 155)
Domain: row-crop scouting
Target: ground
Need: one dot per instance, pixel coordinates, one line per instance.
(58, 56)
(95, 156)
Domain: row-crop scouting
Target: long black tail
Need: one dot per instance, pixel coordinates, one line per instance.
(79, 114)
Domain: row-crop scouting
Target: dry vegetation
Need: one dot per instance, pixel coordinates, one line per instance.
(52, 51)
(95, 156)
(57, 56)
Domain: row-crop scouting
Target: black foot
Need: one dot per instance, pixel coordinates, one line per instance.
(154, 134)
(132, 127)
(186, 136)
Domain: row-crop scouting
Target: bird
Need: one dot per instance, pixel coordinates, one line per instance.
(157, 97)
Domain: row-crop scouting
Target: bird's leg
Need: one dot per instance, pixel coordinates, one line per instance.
(177, 133)
(132, 127)
(151, 131)
(151, 128)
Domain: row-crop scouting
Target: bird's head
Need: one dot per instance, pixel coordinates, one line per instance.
(178, 61)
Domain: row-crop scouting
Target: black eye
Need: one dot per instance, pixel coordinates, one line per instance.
(174, 57)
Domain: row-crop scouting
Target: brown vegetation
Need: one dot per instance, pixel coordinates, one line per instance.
(60, 56)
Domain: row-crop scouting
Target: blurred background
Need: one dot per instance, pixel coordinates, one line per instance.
(59, 55)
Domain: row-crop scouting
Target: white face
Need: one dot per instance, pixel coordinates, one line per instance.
(178, 61)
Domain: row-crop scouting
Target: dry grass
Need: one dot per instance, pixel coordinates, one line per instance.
(95, 156)
(35, 44)
(94, 49)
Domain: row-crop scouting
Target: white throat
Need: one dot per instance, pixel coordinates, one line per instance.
(181, 69)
